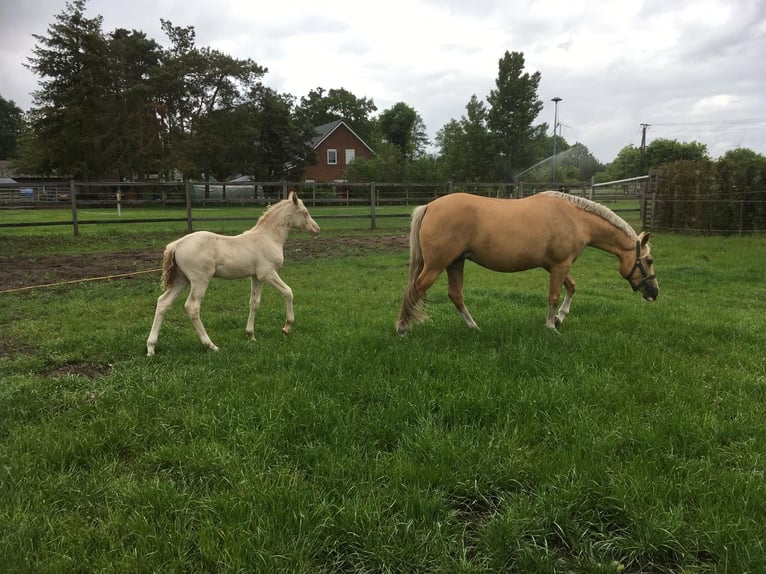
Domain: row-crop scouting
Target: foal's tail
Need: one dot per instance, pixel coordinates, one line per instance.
(412, 305)
(169, 269)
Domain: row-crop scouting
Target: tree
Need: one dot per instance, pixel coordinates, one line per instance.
(662, 151)
(628, 162)
(133, 146)
(119, 105)
(68, 119)
(403, 127)
(468, 149)
(514, 105)
(192, 84)
(256, 138)
(281, 148)
(11, 122)
(320, 107)
(580, 157)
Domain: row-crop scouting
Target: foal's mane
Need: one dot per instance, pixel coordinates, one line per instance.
(597, 209)
(270, 213)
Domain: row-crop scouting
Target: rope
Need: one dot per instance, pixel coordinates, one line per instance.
(78, 281)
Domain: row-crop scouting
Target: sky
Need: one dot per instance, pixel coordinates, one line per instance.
(693, 70)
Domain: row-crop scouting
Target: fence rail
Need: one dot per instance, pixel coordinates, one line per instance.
(102, 203)
(110, 203)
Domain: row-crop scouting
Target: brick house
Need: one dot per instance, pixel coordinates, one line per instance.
(336, 146)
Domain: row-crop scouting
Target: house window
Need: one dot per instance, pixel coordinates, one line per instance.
(332, 157)
(350, 156)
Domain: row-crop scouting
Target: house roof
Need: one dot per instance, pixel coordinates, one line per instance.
(325, 130)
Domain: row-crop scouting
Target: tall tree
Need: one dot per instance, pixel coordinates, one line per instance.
(514, 105)
(403, 127)
(133, 145)
(468, 149)
(68, 118)
(11, 122)
(321, 107)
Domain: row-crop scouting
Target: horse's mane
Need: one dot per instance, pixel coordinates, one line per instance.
(270, 213)
(597, 209)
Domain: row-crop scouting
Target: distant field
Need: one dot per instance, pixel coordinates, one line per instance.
(633, 441)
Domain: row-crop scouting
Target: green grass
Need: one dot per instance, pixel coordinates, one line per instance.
(633, 440)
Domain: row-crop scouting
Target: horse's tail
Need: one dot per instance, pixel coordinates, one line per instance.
(169, 269)
(412, 305)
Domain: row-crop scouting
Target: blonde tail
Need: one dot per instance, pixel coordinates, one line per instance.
(169, 266)
(412, 305)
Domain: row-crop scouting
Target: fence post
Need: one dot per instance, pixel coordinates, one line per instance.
(73, 199)
(373, 203)
(741, 224)
(189, 187)
(284, 190)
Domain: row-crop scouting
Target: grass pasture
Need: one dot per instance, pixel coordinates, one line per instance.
(634, 441)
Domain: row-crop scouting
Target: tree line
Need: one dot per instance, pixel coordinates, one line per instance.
(121, 105)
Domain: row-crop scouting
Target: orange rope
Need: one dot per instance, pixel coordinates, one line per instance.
(77, 281)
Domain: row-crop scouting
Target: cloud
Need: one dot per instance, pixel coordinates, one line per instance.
(615, 64)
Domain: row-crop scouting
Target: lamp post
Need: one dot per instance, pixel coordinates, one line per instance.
(556, 101)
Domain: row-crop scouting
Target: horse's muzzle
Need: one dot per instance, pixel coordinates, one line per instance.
(650, 292)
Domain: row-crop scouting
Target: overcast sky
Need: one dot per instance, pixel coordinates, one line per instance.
(695, 70)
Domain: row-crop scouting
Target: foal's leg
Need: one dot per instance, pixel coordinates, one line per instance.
(164, 301)
(557, 279)
(570, 286)
(192, 306)
(255, 301)
(455, 291)
(275, 281)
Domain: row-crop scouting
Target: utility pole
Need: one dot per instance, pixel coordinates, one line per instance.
(643, 147)
(556, 101)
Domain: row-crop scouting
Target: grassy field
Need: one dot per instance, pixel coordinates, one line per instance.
(634, 441)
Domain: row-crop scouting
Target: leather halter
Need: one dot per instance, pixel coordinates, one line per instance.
(645, 277)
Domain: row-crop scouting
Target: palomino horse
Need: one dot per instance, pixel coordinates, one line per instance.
(547, 230)
(257, 253)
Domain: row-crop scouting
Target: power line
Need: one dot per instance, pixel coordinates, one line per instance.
(713, 122)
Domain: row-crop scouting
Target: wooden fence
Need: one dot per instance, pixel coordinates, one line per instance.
(74, 198)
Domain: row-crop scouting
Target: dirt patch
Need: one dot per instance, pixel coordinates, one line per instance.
(19, 271)
(86, 370)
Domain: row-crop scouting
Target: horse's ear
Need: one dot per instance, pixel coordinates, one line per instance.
(644, 237)
(293, 197)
